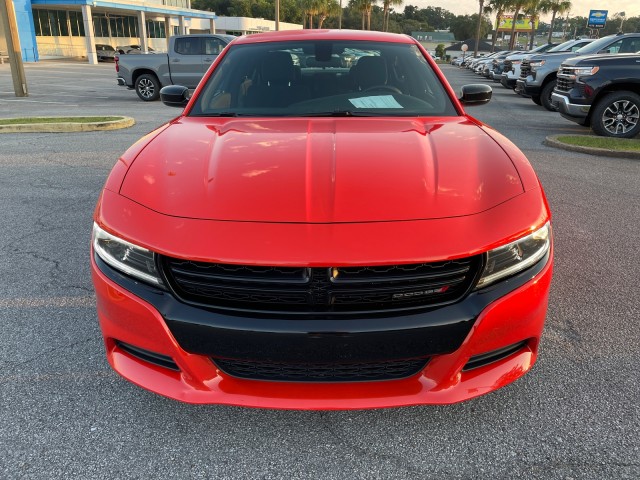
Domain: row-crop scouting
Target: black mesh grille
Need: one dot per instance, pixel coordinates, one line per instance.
(320, 290)
(325, 372)
(565, 81)
(525, 69)
(508, 66)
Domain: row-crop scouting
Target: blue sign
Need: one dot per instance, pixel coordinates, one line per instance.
(597, 18)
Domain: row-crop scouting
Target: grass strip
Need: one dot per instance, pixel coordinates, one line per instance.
(616, 144)
(31, 120)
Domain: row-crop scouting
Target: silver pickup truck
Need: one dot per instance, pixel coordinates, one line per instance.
(188, 59)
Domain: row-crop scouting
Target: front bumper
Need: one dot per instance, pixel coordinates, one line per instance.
(507, 81)
(526, 89)
(571, 111)
(509, 313)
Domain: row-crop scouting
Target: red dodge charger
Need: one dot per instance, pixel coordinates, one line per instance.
(323, 227)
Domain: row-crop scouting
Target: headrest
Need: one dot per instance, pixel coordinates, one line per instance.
(277, 68)
(370, 71)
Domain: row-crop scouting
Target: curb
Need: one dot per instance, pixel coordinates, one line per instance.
(552, 141)
(121, 122)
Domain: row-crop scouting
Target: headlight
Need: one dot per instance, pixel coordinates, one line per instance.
(537, 64)
(126, 257)
(585, 71)
(516, 256)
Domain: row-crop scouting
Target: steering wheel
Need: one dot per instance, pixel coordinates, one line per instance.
(388, 88)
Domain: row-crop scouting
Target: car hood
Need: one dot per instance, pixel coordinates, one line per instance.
(321, 170)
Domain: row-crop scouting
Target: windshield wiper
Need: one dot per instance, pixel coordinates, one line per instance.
(224, 114)
(336, 113)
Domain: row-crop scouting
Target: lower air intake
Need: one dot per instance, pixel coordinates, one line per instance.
(329, 372)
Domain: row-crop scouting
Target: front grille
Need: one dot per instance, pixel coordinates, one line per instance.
(508, 66)
(339, 290)
(525, 69)
(565, 80)
(323, 372)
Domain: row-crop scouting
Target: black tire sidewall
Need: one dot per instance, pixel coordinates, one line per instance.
(596, 117)
(545, 96)
(536, 99)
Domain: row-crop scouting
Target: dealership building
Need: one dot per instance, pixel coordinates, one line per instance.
(72, 28)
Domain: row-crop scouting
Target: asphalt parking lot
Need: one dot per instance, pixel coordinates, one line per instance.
(65, 414)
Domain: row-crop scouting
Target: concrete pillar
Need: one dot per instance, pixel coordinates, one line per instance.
(181, 29)
(167, 30)
(212, 25)
(142, 29)
(90, 38)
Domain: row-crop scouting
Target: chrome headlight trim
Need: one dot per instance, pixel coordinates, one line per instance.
(125, 257)
(505, 261)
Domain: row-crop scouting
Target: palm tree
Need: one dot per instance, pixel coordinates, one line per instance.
(533, 10)
(310, 8)
(362, 6)
(386, 4)
(327, 8)
(555, 7)
(365, 6)
(499, 7)
(518, 5)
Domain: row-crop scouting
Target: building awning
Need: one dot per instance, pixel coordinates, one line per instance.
(133, 7)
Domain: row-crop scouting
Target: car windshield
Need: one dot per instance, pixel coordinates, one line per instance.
(595, 46)
(323, 78)
(562, 47)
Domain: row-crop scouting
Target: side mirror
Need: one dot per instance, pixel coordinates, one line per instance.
(175, 96)
(475, 94)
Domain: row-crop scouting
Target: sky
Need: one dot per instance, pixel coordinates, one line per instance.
(580, 8)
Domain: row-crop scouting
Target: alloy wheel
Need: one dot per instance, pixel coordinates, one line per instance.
(620, 117)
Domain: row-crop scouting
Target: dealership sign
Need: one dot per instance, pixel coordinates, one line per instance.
(597, 18)
(524, 24)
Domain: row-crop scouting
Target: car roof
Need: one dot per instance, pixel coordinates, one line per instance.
(311, 35)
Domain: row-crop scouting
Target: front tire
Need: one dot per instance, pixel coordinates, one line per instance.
(148, 87)
(545, 96)
(617, 115)
(536, 99)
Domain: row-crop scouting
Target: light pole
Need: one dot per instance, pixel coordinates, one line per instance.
(621, 15)
(10, 27)
(277, 15)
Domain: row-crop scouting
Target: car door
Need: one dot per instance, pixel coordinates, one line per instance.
(186, 61)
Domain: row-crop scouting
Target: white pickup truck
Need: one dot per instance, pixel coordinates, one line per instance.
(188, 59)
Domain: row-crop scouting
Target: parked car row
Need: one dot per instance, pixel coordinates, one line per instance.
(107, 53)
(595, 83)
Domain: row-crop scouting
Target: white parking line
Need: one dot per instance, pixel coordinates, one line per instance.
(38, 302)
(31, 94)
(39, 101)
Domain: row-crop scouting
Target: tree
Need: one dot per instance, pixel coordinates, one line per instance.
(555, 7)
(437, 17)
(499, 7)
(518, 5)
(365, 7)
(440, 50)
(464, 26)
(480, 12)
(533, 10)
(310, 8)
(386, 4)
(327, 8)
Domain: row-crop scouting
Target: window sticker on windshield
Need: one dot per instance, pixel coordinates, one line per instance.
(379, 101)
